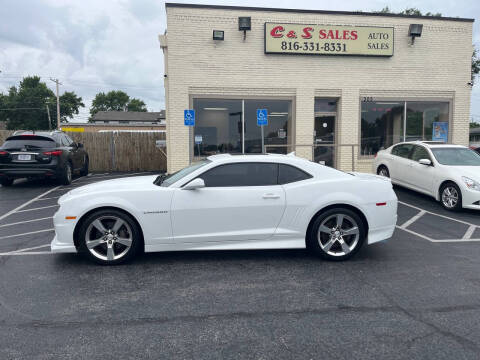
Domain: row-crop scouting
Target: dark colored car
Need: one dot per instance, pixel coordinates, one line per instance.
(41, 154)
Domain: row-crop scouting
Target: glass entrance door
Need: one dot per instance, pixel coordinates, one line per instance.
(324, 135)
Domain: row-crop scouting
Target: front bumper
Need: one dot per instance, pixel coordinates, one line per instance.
(470, 199)
(63, 240)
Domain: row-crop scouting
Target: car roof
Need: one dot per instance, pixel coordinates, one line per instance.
(432, 144)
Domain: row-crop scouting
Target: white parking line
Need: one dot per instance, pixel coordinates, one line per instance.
(40, 208)
(26, 221)
(412, 219)
(469, 232)
(430, 212)
(27, 233)
(26, 251)
(49, 198)
(27, 203)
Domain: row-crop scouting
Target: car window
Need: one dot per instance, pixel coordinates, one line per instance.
(419, 152)
(28, 142)
(402, 150)
(288, 174)
(241, 174)
(176, 176)
(69, 140)
(456, 156)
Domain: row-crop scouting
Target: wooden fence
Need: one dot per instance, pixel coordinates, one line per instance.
(120, 151)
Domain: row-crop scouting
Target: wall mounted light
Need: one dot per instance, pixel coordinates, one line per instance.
(415, 30)
(218, 35)
(244, 24)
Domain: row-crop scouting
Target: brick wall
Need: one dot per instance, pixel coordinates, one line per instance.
(437, 66)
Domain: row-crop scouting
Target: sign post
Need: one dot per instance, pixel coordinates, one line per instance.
(262, 120)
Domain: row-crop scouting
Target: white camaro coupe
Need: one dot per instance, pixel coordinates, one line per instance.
(228, 202)
(449, 173)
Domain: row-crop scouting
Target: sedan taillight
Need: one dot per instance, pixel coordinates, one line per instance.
(53, 153)
(2, 153)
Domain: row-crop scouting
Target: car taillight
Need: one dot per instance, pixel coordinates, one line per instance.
(375, 156)
(3, 153)
(53, 153)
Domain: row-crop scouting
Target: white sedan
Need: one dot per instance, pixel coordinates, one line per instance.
(449, 173)
(228, 202)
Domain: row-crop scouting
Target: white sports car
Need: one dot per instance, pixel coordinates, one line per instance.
(449, 173)
(228, 202)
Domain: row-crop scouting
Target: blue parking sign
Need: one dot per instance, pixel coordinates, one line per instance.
(262, 117)
(189, 117)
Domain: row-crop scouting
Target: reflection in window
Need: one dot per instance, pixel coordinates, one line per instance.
(382, 125)
(218, 126)
(382, 122)
(421, 116)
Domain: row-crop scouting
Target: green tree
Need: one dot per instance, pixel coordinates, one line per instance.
(115, 101)
(136, 105)
(475, 65)
(25, 106)
(474, 124)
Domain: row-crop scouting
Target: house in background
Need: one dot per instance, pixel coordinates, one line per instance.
(131, 121)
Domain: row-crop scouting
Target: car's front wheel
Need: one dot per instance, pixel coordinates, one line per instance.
(383, 171)
(109, 237)
(451, 196)
(337, 234)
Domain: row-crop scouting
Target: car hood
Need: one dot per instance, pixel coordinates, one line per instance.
(472, 172)
(128, 183)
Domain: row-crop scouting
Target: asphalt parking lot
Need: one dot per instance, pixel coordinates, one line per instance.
(416, 295)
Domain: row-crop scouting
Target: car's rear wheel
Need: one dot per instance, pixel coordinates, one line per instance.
(383, 171)
(6, 181)
(109, 237)
(66, 177)
(84, 171)
(451, 196)
(337, 234)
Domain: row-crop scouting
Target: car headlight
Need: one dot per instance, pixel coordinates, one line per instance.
(471, 184)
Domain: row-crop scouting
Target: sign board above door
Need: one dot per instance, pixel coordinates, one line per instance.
(328, 39)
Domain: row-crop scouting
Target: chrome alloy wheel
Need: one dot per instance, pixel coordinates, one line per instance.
(69, 173)
(338, 235)
(450, 197)
(108, 238)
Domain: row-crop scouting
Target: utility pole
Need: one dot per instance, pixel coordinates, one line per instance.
(49, 120)
(57, 82)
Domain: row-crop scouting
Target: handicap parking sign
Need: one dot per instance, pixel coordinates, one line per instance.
(189, 117)
(262, 117)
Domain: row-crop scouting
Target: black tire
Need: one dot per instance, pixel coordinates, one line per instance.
(67, 174)
(129, 230)
(383, 171)
(84, 171)
(448, 201)
(6, 181)
(318, 240)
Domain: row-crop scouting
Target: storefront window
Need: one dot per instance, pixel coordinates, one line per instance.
(382, 123)
(277, 131)
(218, 126)
(421, 116)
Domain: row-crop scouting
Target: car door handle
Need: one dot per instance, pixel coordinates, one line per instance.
(271, 196)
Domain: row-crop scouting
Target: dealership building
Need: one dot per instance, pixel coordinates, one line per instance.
(333, 86)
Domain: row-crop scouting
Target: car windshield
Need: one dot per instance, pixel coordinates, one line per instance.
(173, 178)
(456, 156)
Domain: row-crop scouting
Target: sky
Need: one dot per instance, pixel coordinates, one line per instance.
(93, 45)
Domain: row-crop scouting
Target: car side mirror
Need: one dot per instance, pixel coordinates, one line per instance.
(80, 145)
(194, 184)
(426, 162)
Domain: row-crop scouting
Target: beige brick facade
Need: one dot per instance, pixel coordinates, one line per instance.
(436, 67)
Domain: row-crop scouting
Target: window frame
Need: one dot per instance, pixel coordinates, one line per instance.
(405, 100)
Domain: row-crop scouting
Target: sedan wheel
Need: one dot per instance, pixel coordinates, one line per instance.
(109, 237)
(451, 197)
(339, 234)
(383, 171)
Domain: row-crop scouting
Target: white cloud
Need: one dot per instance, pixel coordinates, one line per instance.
(94, 46)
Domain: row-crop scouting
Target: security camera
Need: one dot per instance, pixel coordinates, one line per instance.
(470, 83)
